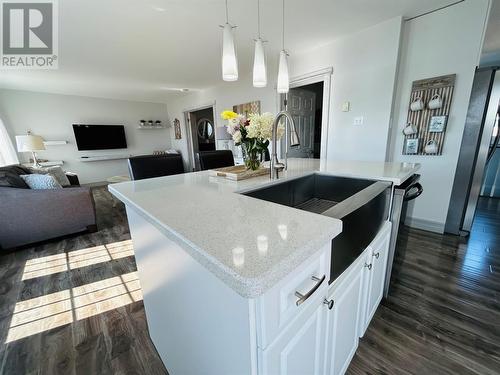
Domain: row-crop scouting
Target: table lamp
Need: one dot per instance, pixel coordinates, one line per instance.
(30, 143)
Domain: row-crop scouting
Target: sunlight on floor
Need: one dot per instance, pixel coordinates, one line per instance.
(49, 311)
(51, 264)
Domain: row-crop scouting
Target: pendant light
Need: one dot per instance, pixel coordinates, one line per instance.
(259, 61)
(229, 61)
(283, 85)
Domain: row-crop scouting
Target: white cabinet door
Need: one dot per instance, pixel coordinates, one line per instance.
(300, 349)
(374, 275)
(343, 321)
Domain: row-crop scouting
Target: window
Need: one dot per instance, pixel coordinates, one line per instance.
(7, 151)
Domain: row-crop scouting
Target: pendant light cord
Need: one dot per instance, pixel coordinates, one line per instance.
(258, 19)
(227, 14)
(283, 30)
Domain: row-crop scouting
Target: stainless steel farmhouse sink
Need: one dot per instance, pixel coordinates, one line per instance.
(362, 205)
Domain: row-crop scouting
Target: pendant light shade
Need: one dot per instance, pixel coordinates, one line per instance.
(283, 78)
(229, 62)
(259, 60)
(259, 65)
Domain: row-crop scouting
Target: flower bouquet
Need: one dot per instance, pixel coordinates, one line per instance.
(252, 134)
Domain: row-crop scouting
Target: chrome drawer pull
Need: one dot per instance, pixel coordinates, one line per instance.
(369, 266)
(304, 297)
(329, 303)
(376, 255)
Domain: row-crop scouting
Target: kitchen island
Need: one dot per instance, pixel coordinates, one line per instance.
(221, 273)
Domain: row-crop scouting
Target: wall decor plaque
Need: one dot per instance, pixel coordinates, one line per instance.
(177, 129)
(431, 118)
(437, 124)
(247, 108)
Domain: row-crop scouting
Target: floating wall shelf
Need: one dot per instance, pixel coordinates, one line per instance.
(88, 159)
(151, 127)
(54, 143)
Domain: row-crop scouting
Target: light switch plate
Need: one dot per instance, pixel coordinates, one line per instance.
(346, 106)
(358, 120)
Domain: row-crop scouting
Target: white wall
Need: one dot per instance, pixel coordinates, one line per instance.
(445, 42)
(51, 116)
(364, 73)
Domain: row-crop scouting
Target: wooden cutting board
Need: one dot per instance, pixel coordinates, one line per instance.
(238, 172)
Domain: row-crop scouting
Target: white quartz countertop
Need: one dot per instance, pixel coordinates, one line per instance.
(248, 243)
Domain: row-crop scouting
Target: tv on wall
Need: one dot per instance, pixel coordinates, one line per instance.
(99, 137)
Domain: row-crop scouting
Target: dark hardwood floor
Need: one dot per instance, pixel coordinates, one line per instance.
(442, 315)
(74, 306)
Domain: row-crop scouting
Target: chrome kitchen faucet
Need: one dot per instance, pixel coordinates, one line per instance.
(276, 165)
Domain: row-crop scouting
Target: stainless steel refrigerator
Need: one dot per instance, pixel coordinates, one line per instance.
(479, 142)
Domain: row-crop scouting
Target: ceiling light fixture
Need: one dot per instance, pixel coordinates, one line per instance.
(283, 85)
(229, 61)
(259, 61)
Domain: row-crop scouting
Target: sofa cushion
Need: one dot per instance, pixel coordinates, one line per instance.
(41, 181)
(12, 180)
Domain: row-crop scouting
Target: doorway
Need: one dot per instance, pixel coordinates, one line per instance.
(476, 164)
(305, 104)
(491, 181)
(201, 133)
(308, 103)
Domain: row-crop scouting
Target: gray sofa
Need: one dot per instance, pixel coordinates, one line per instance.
(28, 216)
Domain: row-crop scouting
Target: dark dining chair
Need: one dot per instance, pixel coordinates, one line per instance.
(149, 166)
(215, 159)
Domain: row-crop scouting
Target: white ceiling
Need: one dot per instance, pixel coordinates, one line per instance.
(146, 50)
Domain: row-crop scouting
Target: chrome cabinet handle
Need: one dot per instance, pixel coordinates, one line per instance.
(304, 297)
(376, 255)
(369, 266)
(329, 303)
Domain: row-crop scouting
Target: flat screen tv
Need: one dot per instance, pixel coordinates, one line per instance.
(99, 137)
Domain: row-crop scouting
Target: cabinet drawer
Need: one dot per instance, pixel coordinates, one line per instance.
(278, 307)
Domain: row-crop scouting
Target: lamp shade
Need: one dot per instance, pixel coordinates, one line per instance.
(229, 62)
(29, 143)
(283, 80)
(259, 65)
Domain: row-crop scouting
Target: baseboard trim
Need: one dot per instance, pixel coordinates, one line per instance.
(428, 225)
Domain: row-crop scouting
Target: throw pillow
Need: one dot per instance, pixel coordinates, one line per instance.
(16, 168)
(41, 181)
(55, 171)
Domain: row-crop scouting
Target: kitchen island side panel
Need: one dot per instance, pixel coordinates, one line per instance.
(197, 323)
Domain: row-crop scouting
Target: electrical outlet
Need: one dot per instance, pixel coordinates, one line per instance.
(346, 106)
(358, 120)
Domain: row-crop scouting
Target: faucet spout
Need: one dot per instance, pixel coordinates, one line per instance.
(275, 165)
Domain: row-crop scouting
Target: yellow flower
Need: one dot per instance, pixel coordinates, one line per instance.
(228, 115)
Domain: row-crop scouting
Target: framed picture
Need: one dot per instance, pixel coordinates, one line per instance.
(247, 108)
(437, 124)
(411, 146)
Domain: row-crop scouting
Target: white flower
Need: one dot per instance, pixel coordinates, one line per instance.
(237, 136)
(261, 126)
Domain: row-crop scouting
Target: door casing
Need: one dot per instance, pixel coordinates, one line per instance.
(325, 76)
(189, 137)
